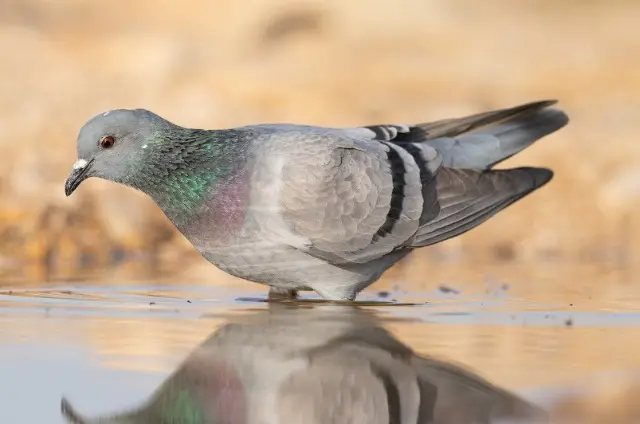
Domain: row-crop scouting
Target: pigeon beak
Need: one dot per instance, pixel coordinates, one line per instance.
(78, 175)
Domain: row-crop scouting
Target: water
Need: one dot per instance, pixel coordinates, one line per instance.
(107, 348)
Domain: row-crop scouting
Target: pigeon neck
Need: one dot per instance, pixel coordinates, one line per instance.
(186, 170)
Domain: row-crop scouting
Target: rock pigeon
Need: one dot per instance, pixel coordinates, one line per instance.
(332, 364)
(300, 207)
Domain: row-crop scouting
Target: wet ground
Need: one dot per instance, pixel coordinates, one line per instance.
(106, 348)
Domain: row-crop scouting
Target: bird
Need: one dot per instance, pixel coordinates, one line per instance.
(326, 364)
(308, 208)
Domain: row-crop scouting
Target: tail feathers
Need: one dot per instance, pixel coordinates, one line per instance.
(466, 198)
(484, 147)
(455, 126)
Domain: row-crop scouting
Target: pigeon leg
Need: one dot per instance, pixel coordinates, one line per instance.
(336, 292)
(278, 293)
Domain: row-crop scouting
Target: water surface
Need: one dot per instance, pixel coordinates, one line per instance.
(108, 347)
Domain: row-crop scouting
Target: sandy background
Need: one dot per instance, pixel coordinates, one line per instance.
(224, 63)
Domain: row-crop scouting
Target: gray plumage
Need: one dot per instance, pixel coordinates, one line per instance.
(324, 209)
(326, 365)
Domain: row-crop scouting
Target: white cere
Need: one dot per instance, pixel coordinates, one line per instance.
(81, 163)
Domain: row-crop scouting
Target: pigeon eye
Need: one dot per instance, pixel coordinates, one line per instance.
(107, 142)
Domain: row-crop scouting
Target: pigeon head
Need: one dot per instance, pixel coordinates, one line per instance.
(111, 144)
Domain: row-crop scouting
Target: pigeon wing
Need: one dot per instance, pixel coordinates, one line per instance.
(354, 195)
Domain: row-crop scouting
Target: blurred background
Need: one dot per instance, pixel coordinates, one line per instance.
(219, 64)
(224, 63)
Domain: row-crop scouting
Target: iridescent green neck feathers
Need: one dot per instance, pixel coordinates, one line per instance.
(182, 169)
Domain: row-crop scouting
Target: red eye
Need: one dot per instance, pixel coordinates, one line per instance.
(107, 142)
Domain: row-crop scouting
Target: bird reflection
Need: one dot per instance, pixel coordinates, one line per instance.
(317, 364)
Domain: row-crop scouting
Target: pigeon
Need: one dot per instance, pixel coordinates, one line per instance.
(299, 207)
(328, 364)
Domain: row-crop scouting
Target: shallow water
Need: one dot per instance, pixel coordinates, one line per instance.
(106, 348)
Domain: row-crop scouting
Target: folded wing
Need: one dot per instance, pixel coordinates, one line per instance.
(358, 194)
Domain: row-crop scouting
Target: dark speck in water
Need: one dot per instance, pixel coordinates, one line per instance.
(384, 294)
(152, 303)
(188, 301)
(568, 322)
(447, 289)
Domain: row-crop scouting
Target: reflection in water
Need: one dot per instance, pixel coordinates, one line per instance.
(317, 364)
